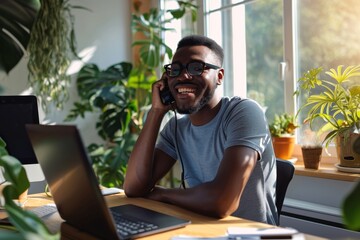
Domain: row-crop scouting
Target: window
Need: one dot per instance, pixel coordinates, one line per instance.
(269, 44)
(328, 34)
(251, 33)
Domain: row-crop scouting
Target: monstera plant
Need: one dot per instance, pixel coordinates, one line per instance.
(121, 93)
(16, 20)
(26, 225)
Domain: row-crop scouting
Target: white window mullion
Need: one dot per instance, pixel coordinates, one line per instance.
(289, 54)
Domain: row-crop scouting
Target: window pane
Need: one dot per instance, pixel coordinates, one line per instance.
(328, 35)
(252, 37)
(180, 27)
(215, 4)
(264, 43)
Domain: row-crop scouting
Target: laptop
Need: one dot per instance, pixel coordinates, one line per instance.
(75, 189)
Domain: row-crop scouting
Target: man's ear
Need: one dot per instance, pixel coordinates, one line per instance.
(220, 77)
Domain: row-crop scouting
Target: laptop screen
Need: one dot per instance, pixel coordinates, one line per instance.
(15, 112)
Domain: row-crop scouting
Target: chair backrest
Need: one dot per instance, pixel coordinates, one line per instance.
(285, 172)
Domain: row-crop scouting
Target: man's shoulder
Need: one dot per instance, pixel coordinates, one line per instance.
(236, 101)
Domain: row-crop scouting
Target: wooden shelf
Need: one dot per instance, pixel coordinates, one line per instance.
(328, 171)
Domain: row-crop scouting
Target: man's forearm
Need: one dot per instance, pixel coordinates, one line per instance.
(138, 180)
(202, 199)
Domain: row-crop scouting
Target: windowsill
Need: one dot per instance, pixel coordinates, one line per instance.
(326, 170)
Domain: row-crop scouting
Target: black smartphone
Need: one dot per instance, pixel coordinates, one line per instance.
(166, 96)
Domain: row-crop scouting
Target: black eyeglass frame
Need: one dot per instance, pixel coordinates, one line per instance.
(182, 67)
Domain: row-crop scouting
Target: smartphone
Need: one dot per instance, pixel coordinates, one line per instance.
(165, 95)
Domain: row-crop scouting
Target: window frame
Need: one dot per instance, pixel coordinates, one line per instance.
(287, 68)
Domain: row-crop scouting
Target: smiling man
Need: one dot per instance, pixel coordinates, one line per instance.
(223, 143)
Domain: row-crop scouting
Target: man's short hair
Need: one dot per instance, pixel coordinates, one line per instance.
(200, 40)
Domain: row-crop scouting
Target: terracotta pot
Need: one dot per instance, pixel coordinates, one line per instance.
(311, 156)
(348, 149)
(283, 147)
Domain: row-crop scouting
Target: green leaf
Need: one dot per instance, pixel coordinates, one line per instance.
(14, 173)
(177, 13)
(27, 223)
(351, 209)
(16, 20)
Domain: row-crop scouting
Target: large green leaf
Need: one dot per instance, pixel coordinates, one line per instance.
(16, 20)
(351, 209)
(90, 78)
(28, 225)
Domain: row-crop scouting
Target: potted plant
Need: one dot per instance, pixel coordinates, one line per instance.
(282, 130)
(122, 92)
(26, 224)
(334, 104)
(311, 147)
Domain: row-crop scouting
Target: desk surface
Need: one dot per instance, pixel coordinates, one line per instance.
(201, 225)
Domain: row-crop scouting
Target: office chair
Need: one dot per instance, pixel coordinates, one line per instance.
(285, 172)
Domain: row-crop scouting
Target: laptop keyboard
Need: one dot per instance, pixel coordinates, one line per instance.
(129, 226)
(45, 210)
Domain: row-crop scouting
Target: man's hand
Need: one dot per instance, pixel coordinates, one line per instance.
(156, 88)
(156, 193)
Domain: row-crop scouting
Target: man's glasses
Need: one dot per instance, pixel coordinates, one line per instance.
(194, 68)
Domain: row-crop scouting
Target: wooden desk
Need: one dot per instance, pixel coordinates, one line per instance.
(201, 225)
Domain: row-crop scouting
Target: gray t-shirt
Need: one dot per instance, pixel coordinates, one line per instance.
(240, 122)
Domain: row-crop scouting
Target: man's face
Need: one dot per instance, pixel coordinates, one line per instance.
(191, 92)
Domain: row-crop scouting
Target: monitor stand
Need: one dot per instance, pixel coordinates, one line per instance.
(34, 172)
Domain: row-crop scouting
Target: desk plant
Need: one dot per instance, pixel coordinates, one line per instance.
(26, 224)
(337, 105)
(282, 130)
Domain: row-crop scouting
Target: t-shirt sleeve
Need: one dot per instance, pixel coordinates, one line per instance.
(247, 126)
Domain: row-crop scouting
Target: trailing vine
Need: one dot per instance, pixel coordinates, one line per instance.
(51, 47)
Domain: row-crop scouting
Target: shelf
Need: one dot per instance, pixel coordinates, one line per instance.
(326, 170)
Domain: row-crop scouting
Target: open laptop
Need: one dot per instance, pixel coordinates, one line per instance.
(75, 189)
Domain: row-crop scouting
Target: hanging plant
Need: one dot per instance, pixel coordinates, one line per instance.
(52, 46)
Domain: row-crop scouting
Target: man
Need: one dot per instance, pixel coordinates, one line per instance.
(222, 143)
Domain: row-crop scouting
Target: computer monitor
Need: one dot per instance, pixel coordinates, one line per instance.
(15, 112)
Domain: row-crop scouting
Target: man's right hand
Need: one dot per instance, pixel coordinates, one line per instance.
(156, 100)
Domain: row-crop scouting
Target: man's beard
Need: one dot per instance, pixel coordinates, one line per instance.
(203, 101)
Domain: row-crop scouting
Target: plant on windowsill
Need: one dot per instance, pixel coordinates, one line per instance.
(311, 147)
(26, 225)
(336, 103)
(282, 130)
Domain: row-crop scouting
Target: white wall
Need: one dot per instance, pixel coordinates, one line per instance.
(104, 33)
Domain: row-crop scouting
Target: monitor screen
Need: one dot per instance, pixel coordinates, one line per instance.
(15, 112)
